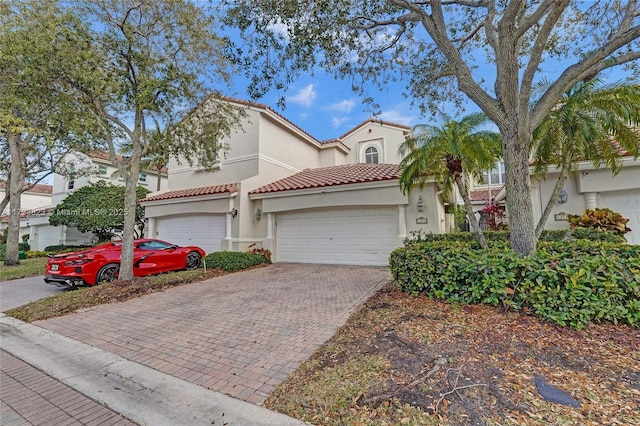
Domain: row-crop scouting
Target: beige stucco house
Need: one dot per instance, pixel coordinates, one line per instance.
(89, 168)
(335, 201)
(587, 187)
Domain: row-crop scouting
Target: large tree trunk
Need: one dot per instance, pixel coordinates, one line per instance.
(130, 200)
(564, 174)
(15, 185)
(470, 213)
(518, 185)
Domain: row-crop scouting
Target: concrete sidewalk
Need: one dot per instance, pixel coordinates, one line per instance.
(139, 393)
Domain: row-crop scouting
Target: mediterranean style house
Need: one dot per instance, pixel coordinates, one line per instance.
(83, 169)
(338, 201)
(278, 188)
(587, 187)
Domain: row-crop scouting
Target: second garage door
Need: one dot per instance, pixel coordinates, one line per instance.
(205, 231)
(363, 236)
(627, 203)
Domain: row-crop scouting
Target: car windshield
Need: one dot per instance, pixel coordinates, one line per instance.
(153, 245)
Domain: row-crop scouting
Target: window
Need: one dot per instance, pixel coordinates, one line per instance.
(102, 170)
(494, 177)
(371, 155)
(72, 176)
(142, 177)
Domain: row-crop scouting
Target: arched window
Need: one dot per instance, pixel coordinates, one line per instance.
(371, 155)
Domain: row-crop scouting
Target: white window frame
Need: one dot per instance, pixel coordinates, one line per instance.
(487, 175)
(377, 145)
(102, 170)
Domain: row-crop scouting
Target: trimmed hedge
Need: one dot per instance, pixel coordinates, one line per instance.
(60, 248)
(491, 236)
(570, 283)
(232, 261)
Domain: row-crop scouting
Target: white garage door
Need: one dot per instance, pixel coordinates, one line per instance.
(205, 231)
(627, 203)
(345, 236)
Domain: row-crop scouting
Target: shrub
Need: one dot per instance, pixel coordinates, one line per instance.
(31, 254)
(21, 247)
(603, 219)
(232, 261)
(595, 234)
(570, 283)
(491, 236)
(61, 248)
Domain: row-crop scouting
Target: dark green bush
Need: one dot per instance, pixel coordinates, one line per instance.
(232, 261)
(64, 248)
(21, 247)
(595, 234)
(491, 236)
(569, 283)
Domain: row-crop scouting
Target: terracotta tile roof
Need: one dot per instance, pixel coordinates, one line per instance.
(193, 192)
(38, 188)
(332, 176)
(483, 194)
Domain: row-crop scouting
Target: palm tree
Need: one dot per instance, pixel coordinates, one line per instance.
(593, 121)
(452, 154)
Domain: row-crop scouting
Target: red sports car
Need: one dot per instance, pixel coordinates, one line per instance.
(102, 263)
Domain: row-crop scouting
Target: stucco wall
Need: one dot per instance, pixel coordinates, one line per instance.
(375, 134)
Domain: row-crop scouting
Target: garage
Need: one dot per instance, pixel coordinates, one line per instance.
(627, 203)
(203, 230)
(349, 236)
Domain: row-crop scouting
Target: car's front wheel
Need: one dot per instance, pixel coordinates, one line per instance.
(108, 273)
(193, 260)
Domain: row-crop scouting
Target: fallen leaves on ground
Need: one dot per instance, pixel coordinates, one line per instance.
(378, 367)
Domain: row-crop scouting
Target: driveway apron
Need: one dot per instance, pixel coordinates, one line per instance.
(240, 334)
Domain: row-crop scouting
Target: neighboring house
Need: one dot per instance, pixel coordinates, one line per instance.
(586, 188)
(82, 169)
(34, 201)
(335, 201)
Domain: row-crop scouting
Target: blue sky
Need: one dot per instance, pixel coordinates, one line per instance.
(326, 108)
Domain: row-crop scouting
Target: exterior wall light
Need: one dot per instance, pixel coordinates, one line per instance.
(420, 204)
(234, 213)
(258, 213)
(563, 196)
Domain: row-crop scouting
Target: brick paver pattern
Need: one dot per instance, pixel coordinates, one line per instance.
(30, 397)
(240, 334)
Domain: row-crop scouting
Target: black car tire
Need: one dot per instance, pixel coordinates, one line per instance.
(108, 273)
(193, 260)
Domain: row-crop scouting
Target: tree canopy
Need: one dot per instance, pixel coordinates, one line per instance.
(39, 122)
(491, 52)
(153, 60)
(98, 208)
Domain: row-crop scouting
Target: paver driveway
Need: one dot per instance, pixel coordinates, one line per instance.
(240, 334)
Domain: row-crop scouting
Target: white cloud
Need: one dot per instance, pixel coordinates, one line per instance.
(304, 96)
(343, 106)
(338, 121)
(395, 116)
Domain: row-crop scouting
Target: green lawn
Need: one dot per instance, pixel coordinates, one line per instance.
(27, 268)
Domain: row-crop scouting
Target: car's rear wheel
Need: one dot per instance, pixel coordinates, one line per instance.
(108, 273)
(193, 260)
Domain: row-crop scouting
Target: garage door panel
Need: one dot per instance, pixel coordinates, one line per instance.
(342, 236)
(627, 203)
(205, 231)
